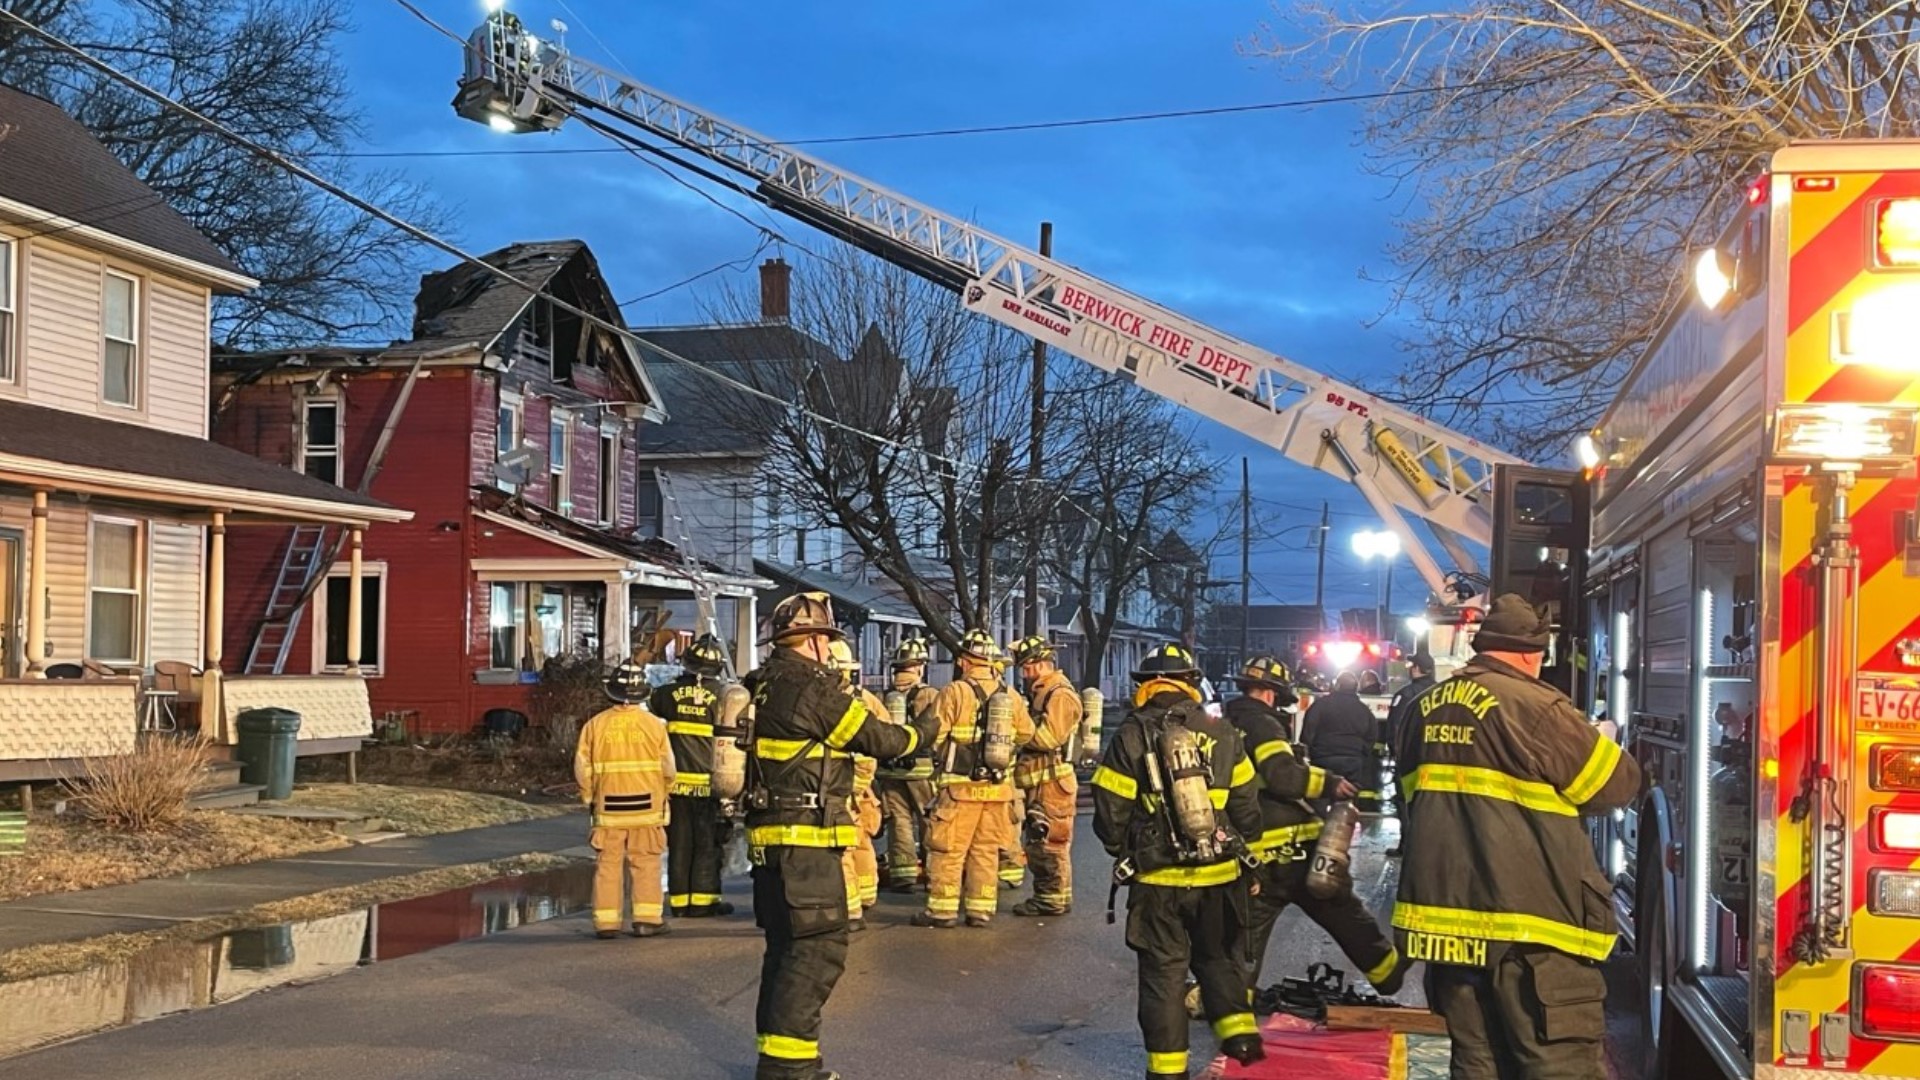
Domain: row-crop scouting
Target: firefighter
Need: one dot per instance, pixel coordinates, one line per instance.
(807, 727)
(1013, 857)
(688, 704)
(858, 863)
(1339, 737)
(905, 785)
(1394, 732)
(1045, 775)
(1500, 895)
(1174, 797)
(625, 768)
(981, 724)
(1289, 829)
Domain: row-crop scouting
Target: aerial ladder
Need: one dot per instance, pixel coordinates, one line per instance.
(1405, 465)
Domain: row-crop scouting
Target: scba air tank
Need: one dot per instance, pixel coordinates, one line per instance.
(896, 701)
(1188, 773)
(1092, 704)
(996, 733)
(729, 732)
(1331, 872)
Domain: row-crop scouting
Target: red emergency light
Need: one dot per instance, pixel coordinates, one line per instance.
(1815, 183)
(1757, 189)
(1889, 1001)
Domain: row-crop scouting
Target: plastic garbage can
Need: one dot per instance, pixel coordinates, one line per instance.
(268, 739)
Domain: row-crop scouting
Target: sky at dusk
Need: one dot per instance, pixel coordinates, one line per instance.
(1258, 223)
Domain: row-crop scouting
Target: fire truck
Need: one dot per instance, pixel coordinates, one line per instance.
(1734, 579)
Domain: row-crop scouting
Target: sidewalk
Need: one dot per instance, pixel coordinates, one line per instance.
(163, 902)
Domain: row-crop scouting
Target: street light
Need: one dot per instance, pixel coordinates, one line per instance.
(1372, 544)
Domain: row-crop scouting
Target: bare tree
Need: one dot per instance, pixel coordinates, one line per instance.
(1563, 156)
(905, 410)
(270, 70)
(1140, 472)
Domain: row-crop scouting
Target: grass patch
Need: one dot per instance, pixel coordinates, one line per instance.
(66, 854)
(532, 770)
(65, 957)
(423, 811)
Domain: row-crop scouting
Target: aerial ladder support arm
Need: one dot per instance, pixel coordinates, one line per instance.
(1404, 464)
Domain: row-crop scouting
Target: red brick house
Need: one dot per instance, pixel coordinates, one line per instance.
(508, 427)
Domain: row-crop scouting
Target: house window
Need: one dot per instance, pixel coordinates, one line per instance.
(334, 620)
(120, 326)
(113, 591)
(648, 507)
(506, 440)
(609, 476)
(504, 621)
(320, 441)
(7, 306)
(557, 454)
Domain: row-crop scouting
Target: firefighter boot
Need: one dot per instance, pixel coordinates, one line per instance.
(1245, 1049)
(642, 929)
(926, 918)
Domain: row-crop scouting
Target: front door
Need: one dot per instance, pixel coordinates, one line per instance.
(12, 633)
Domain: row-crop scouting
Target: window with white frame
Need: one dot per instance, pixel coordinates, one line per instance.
(505, 618)
(120, 331)
(557, 458)
(506, 438)
(528, 623)
(8, 369)
(320, 440)
(114, 573)
(335, 619)
(609, 475)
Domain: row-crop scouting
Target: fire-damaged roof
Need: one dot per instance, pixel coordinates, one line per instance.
(31, 434)
(52, 163)
(467, 306)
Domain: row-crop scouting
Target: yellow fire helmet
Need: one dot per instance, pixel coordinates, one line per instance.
(841, 656)
(910, 652)
(803, 613)
(980, 645)
(1031, 650)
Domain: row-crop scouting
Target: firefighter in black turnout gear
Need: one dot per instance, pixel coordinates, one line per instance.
(689, 704)
(1500, 893)
(1289, 829)
(807, 726)
(1173, 800)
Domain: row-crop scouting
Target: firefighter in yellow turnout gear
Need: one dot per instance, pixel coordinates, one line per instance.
(859, 863)
(1174, 800)
(982, 724)
(905, 785)
(625, 768)
(1044, 774)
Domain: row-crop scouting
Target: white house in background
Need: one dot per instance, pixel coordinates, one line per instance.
(114, 507)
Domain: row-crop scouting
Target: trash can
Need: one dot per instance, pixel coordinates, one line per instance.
(266, 751)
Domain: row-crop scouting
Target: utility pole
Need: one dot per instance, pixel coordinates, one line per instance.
(1035, 439)
(1320, 573)
(1246, 545)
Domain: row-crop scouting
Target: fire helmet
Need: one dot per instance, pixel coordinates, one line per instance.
(801, 614)
(1031, 650)
(705, 656)
(1169, 661)
(910, 653)
(979, 645)
(628, 685)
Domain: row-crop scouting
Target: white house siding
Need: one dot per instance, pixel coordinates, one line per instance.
(61, 311)
(177, 588)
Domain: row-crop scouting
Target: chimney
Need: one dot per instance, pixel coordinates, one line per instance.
(776, 290)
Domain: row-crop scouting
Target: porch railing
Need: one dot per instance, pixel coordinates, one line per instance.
(67, 719)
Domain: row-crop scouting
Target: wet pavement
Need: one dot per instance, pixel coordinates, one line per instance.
(158, 903)
(184, 977)
(1025, 998)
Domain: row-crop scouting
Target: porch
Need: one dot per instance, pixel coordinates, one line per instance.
(112, 577)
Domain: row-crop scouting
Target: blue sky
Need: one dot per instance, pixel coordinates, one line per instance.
(1259, 223)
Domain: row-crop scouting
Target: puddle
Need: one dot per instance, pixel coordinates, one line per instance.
(183, 977)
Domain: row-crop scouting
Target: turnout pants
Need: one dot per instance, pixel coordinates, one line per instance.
(903, 810)
(800, 901)
(1344, 918)
(619, 851)
(964, 842)
(693, 852)
(1172, 930)
(859, 864)
(1533, 1013)
(1051, 860)
(1013, 857)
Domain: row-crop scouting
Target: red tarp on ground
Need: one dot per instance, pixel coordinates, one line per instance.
(1296, 1048)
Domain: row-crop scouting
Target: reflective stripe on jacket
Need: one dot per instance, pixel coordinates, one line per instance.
(961, 709)
(1055, 707)
(1502, 768)
(624, 767)
(689, 704)
(1288, 826)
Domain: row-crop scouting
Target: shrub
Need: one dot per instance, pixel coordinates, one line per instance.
(145, 791)
(571, 689)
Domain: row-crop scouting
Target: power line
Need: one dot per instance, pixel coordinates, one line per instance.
(424, 236)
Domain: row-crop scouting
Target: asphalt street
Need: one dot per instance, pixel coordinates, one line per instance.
(1024, 998)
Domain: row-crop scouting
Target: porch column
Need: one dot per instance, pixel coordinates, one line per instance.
(616, 621)
(211, 705)
(37, 589)
(746, 623)
(355, 543)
